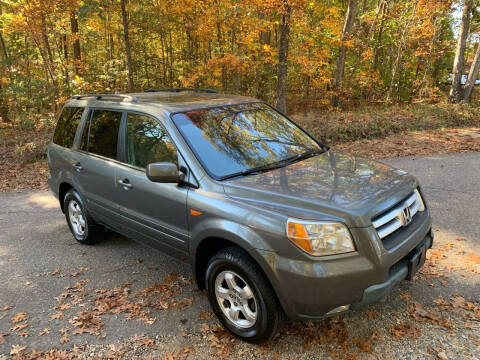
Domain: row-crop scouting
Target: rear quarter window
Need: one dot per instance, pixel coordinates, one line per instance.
(67, 124)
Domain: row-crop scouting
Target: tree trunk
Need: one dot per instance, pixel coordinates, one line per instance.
(127, 47)
(221, 53)
(472, 77)
(48, 58)
(378, 42)
(459, 62)
(342, 54)
(283, 45)
(401, 44)
(77, 54)
(46, 42)
(3, 47)
(65, 62)
(3, 97)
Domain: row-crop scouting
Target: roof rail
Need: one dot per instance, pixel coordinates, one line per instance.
(102, 96)
(209, 91)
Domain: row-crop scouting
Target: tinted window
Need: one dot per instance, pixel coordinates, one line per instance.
(102, 139)
(147, 142)
(232, 139)
(67, 126)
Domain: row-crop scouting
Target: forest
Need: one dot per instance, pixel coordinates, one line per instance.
(296, 54)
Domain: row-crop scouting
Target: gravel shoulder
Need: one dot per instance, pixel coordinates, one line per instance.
(118, 299)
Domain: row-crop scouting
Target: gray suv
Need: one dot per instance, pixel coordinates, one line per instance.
(273, 223)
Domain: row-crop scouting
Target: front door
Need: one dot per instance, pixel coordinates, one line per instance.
(154, 213)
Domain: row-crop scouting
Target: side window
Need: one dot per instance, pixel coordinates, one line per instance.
(102, 139)
(67, 126)
(147, 142)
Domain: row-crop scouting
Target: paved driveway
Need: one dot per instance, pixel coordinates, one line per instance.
(118, 298)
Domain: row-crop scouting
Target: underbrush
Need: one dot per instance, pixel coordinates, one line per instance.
(370, 122)
(26, 140)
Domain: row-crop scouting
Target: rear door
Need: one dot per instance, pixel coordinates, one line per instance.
(97, 164)
(155, 213)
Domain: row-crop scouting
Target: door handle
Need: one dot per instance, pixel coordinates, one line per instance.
(125, 183)
(78, 166)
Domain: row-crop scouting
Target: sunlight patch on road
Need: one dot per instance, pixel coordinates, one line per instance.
(45, 201)
(454, 253)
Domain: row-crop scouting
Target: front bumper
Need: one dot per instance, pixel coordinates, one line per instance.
(310, 288)
(400, 271)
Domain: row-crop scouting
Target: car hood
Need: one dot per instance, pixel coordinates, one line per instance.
(330, 186)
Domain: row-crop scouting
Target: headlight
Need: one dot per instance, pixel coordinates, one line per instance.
(320, 238)
(420, 200)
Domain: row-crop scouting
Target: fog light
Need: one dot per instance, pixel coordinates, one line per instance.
(339, 309)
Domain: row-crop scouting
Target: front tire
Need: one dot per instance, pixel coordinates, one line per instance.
(84, 229)
(241, 296)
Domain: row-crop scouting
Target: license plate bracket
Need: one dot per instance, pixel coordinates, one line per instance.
(417, 260)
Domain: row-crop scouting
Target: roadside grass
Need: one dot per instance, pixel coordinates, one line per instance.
(23, 159)
(373, 122)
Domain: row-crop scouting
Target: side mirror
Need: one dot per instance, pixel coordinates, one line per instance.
(164, 172)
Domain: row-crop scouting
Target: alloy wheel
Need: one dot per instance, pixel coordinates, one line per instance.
(236, 299)
(77, 219)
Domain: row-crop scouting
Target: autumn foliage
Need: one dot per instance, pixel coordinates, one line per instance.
(395, 50)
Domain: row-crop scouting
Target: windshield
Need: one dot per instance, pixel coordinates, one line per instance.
(233, 139)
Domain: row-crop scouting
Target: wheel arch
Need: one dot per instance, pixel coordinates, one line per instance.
(62, 191)
(208, 246)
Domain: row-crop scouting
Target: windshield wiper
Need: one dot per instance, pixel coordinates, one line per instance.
(258, 169)
(277, 165)
(307, 154)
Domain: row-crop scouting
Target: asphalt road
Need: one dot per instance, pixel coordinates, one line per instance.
(452, 187)
(39, 259)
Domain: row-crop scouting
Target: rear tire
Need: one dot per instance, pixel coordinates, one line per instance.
(241, 296)
(84, 229)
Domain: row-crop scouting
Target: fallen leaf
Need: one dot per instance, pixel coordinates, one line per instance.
(405, 329)
(19, 317)
(19, 327)
(364, 345)
(206, 314)
(86, 322)
(17, 350)
(44, 331)
(417, 311)
(64, 339)
(58, 315)
(5, 308)
(147, 342)
(63, 307)
(115, 351)
(2, 338)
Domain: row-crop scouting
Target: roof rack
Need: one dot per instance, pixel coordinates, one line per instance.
(102, 96)
(208, 91)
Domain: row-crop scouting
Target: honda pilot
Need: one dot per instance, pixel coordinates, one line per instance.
(274, 224)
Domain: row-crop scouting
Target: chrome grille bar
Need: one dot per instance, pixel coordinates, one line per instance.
(394, 219)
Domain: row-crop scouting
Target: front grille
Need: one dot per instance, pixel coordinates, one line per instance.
(395, 218)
